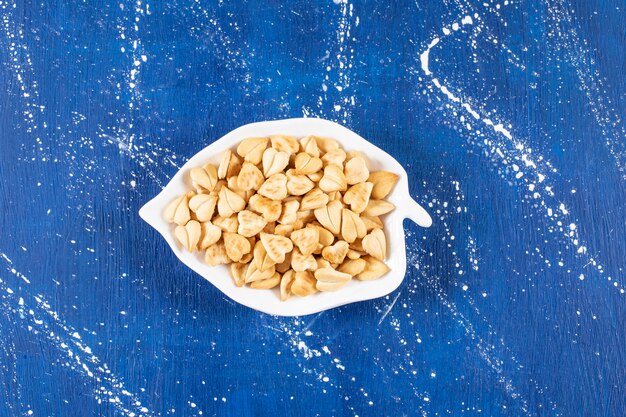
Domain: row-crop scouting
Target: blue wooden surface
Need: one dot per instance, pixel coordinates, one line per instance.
(513, 302)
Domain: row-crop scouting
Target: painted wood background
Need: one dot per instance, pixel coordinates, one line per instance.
(508, 116)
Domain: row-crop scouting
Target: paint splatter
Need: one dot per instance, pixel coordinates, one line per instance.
(43, 321)
(513, 156)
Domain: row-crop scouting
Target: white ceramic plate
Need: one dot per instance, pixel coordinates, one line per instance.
(268, 301)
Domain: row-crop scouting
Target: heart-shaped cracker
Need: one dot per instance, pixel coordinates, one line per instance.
(238, 271)
(326, 144)
(372, 223)
(285, 284)
(269, 209)
(352, 227)
(383, 183)
(353, 267)
(330, 216)
(274, 162)
(261, 258)
(329, 286)
(328, 279)
(374, 269)
(203, 205)
(309, 145)
(251, 149)
(266, 284)
(250, 177)
(375, 244)
(236, 246)
(335, 157)
(336, 253)
(204, 178)
(314, 199)
(210, 234)
(306, 164)
(331, 275)
(227, 224)
(290, 212)
(230, 165)
(255, 274)
(303, 284)
(275, 187)
(298, 184)
(333, 179)
(178, 211)
(306, 239)
(189, 234)
(216, 254)
(356, 170)
(378, 208)
(300, 262)
(276, 246)
(250, 223)
(229, 202)
(287, 144)
(358, 196)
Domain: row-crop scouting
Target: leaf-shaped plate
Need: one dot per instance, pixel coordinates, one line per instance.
(268, 301)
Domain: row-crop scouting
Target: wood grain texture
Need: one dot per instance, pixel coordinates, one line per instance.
(512, 132)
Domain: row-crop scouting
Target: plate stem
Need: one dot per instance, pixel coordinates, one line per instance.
(412, 210)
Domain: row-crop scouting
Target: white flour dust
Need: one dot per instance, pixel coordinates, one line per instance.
(221, 38)
(463, 256)
(41, 320)
(320, 362)
(151, 156)
(563, 31)
(511, 154)
(129, 30)
(337, 99)
(20, 65)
